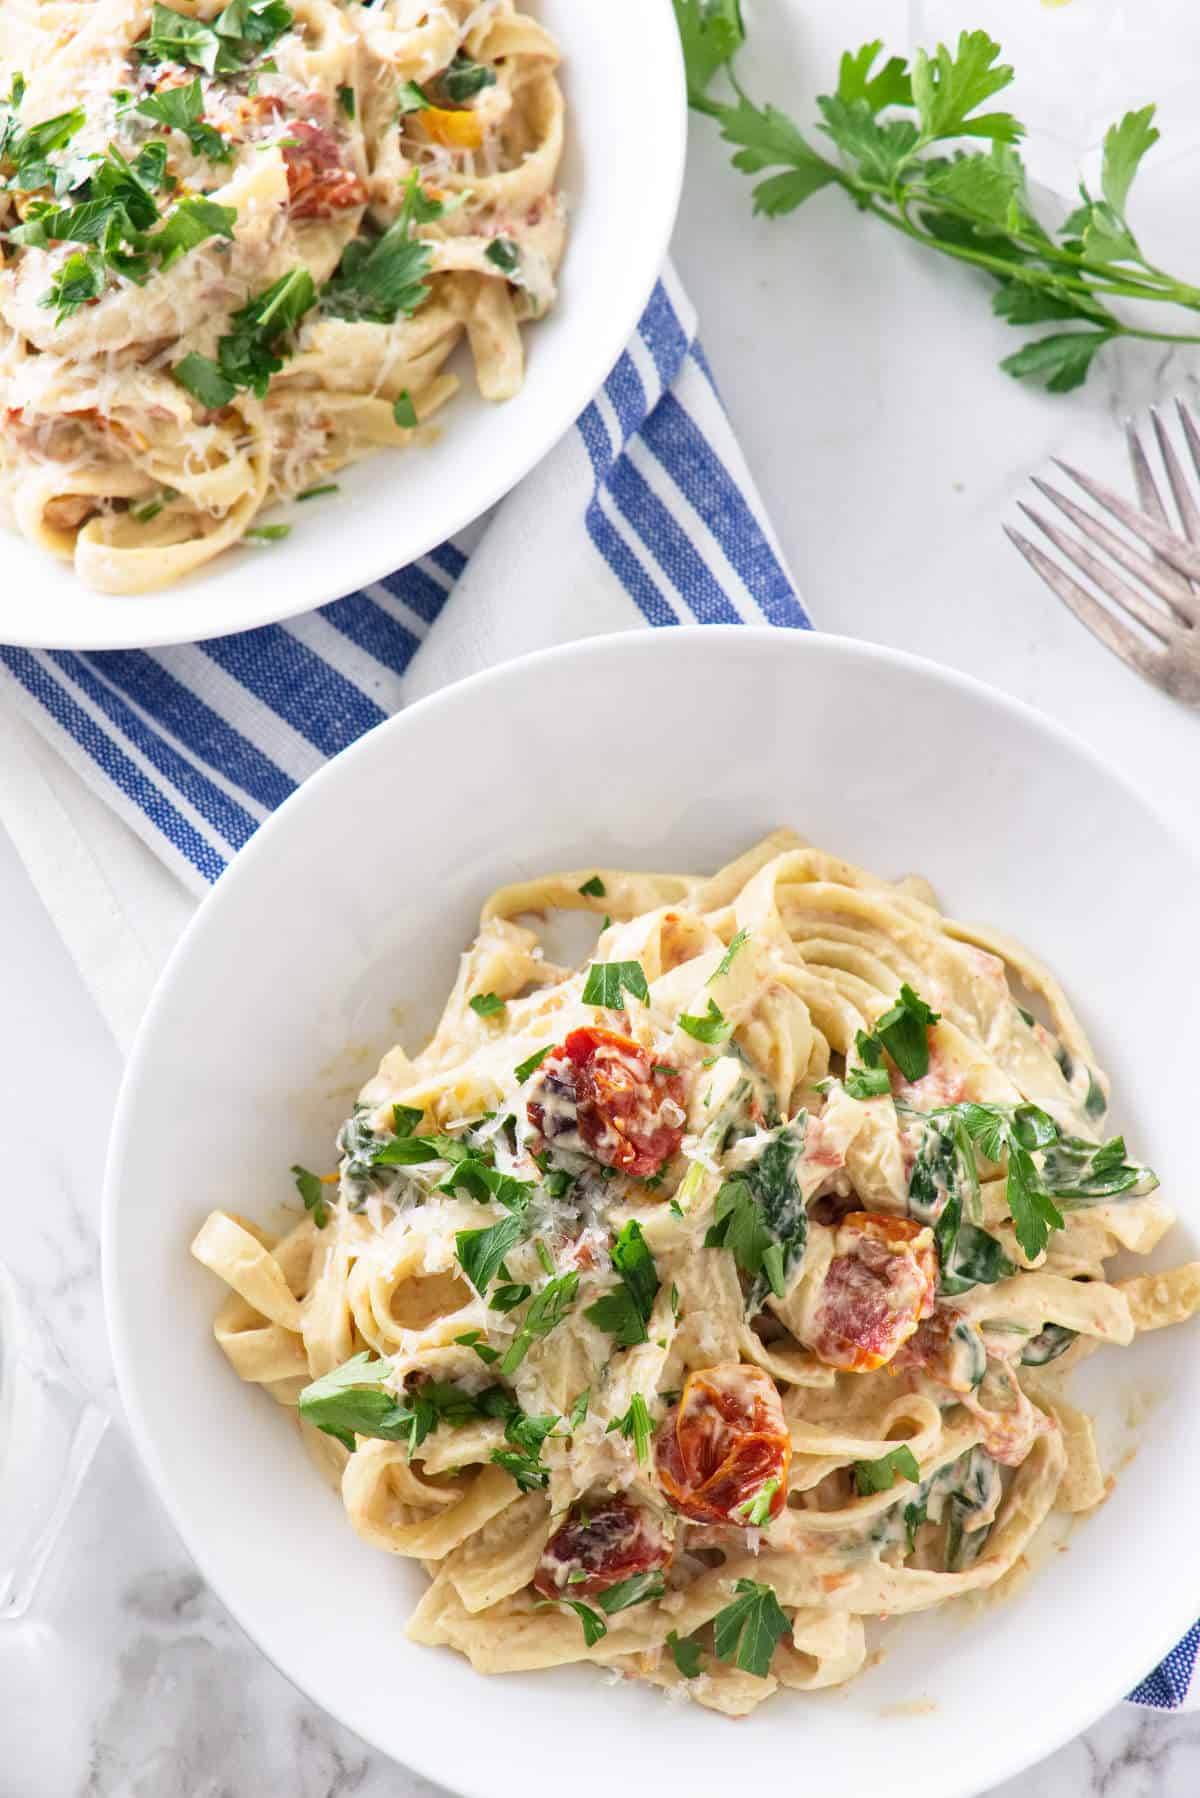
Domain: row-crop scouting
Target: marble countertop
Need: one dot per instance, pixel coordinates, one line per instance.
(888, 449)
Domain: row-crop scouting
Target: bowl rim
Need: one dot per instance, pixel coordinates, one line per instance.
(638, 642)
(137, 629)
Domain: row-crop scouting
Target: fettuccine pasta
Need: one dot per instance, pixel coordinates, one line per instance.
(240, 245)
(685, 1312)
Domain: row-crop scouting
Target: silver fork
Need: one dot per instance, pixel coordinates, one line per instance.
(1163, 593)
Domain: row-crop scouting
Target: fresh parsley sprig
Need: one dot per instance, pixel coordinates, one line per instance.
(897, 132)
(234, 39)
(746, 1631)
(381, 280)
(255, 348)
(881, 1475)
(626, 1312)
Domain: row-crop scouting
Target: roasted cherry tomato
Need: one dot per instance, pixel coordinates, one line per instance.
(319, 183)
(600, 1094)
(877, 1288)
(605, 1542)
(946, 1347)
(723, 1444)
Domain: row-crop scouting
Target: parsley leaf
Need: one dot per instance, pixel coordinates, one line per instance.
(384, 280)
(904, 1033)
(405, 412)
(881, 1475)
(713, 1027)
(625, 1313)
(255, 346)
(182, 109)
(351, 1401)
(896, 129)
(463, 79)
(405, 1119)
(760, 1215)
(746, 1631)
(524, 1068)
(736, 942)
(236, 37)
(546, 1311)
(637, 1589)
(606, 980)
(636, 1427)
(579, 1409)
(756, 1510)
(594, 1626)
(411, 99)
(310, 1190)
(480, 1252)
(685, 1654)
(593, 888)
(486, 1005)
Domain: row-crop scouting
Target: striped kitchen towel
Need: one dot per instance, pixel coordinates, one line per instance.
(645, 513)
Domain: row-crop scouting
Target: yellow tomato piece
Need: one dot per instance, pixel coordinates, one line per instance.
(457, 130)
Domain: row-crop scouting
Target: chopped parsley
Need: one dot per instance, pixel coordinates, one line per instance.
(593, 888)
(316, 492)
(182, 109)
(480, 1252)
(523, 1460)
(383, 279)
(756, 1510)
(404, 412)
(463, 79)
(546, 1311)
(409, 98)
(636, 1427)
(713, 1027)
(746, 1631)
(870, 1081)
(637, 1589)
(607, 980)
(685, 1654)
(523, 1069)
(510, 1295)
(267, 533)
(308, 1185)
(579, 1409)
(254, 348)
(760, 1215)
(736, 941)
(486, 1005)
(904, 1033)
(625, 1312)
(881, 1475)
(26, 149)
(346, 101)
(505, 255)
(235, 38)
(475, 1339)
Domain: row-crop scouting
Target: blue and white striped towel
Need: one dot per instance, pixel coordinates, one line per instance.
(645, 514)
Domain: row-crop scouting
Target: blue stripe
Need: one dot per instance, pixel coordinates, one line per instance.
(702, 477)
(305, 691)
(696, 352)
(203, 732)
(125, 775)
(372, 628)
(620, 558)
(670, 546)
(418, 590)
(624, 388)
(448, 557)
(215, 806)
(663, 335)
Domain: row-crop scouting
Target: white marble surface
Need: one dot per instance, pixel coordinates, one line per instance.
(889, 449)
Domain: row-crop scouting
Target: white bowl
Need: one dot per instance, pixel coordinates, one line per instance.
(663, 749)
(622, 174)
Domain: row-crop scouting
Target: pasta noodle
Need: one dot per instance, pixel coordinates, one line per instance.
(685, 1312)
(241, 243)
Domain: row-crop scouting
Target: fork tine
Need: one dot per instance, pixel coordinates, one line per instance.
(1184, 415)
(1157, 576)
(1149, 497)
(1179, 554)
(1111, 632)
(1189, 516)
(1127, 598)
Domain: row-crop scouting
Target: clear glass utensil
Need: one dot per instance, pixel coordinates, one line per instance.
(49, 1431)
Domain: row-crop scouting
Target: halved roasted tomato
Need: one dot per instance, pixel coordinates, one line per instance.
(875, 1291)
(601, 1094)
(946, 1347)
(723, 1452)
(600, 1544)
